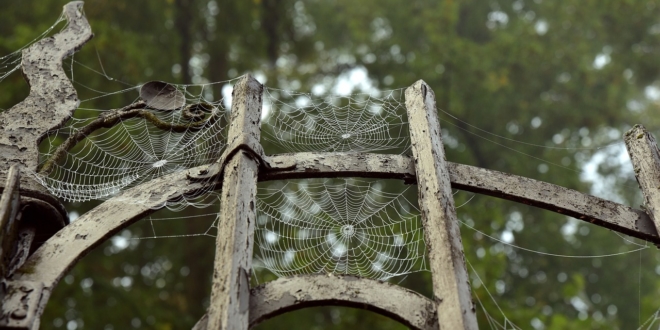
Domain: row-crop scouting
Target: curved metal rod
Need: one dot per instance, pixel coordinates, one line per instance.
(289, 294)
(109, 119)
(57, 255)
(528, 191)
(60, 252)
(551, 197)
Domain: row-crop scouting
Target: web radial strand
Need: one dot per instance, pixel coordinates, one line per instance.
(12, 62)
(337, 226)
(132, 151)
(298, 122)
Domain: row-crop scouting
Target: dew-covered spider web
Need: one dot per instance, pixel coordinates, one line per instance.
(11, 62)
(364, 122)
(337, 226)
(133, 145)
(344, 226)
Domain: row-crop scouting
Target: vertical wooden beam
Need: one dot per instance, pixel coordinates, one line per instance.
(645, 158)
(451, 287)
(9, 205)
(230, 295)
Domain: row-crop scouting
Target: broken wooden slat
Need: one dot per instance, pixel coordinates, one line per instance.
(9, 207)
(645, 157)
(230, 292)
(451, 286)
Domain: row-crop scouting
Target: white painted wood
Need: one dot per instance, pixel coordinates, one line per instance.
(645, 157)
(451, 286)
(230, 293)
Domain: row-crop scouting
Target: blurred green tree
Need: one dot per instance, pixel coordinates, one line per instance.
(541, 89)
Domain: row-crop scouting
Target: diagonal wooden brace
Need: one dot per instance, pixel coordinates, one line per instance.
(451, 287)
(645, 157)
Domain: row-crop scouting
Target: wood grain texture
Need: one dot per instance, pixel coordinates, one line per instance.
(645, 157)
(451, 287)
(230, 292)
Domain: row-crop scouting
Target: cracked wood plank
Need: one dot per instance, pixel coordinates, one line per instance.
(451, 287)
(645, 158)
(51, 102)
(230, 293)
(288, 294)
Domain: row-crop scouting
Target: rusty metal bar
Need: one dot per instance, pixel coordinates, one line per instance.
(289, 294)
(451, 285)
(645, 157)
(230, 293)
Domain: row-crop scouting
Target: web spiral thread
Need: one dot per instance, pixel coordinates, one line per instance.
(338, 226)
(300, 122)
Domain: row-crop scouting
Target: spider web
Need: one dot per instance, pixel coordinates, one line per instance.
(366, 122)
(338, 226)
(134, 150)
(12, 62)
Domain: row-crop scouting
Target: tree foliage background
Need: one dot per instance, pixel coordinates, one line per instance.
(536, 88)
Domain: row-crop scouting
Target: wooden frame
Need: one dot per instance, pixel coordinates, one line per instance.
(29, 282)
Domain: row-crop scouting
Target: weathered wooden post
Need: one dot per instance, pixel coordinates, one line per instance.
(230, 295)
(451, 287)
(645, 157)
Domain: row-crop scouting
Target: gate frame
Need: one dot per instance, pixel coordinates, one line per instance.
(29, 272)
